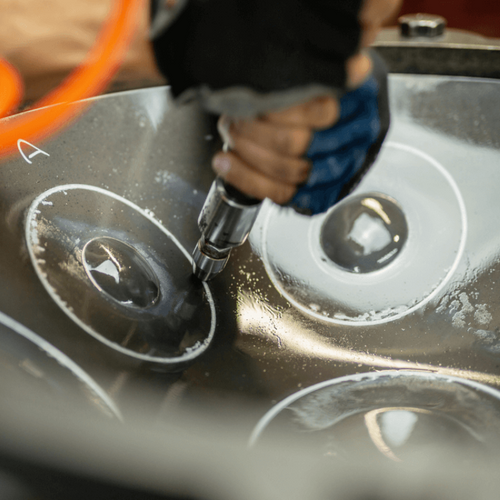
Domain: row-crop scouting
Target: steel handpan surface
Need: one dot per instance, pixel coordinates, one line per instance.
(33, 368)
(453, 329)
(140, 147)
(391, 413)
(122, 278)
(434, 208)
(108, 150)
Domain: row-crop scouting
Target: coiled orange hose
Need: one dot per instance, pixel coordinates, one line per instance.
(89, 79)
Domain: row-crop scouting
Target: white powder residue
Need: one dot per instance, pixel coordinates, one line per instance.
(163, 177)
(463, 307)
(194, 347)
(370, 234)
(466, 305)
(443, 305)
(373, 315)
(458, 320)
(482, 316)
(490, 340)
(464, 313)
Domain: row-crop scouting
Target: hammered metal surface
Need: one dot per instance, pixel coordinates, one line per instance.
(141, 148)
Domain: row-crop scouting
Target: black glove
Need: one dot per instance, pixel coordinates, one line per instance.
(286, 50)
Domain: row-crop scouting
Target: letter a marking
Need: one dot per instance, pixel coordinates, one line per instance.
(36, 152)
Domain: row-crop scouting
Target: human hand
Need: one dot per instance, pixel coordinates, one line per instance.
(266, 157)
(267, 153)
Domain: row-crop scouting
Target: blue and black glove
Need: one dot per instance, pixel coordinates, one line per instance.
(342, 154)
(243, 59)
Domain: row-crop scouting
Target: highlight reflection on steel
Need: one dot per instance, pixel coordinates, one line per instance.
(120, 271)
(402, 433)
(364, 233)
(307, 342)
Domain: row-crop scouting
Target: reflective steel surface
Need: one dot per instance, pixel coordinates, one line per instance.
(365, 233)
(97, 232)
(119, 274)
(29, 363)
(431, 209)
(394, 414)
(454, 52)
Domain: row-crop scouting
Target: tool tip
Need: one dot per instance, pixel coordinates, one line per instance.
(205, 267)
(201, 273)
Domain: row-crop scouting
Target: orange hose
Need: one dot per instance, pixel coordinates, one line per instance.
(89, 79)
(11, 87)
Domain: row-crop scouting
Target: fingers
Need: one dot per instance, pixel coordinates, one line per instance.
(250, 181)
(267, 154)
(359, 68)
(278, 167)
(319, 113)
(266, 160)
(371, 18)
(369, 35)
(281, 139)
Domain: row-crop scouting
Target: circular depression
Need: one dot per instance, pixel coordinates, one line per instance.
(119, 274)
(364, 233)
(32, 367)
(434, 213)
(389, 413)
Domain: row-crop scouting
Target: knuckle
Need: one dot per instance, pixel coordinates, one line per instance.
(292, 141)
(303, 170)
(327, 113)
(293, 171)
(298, 172)
(358, 68)
(299, 141)
(283, 193)
(283, 141)
(302, 140)
(369, 35)
(281, 171)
